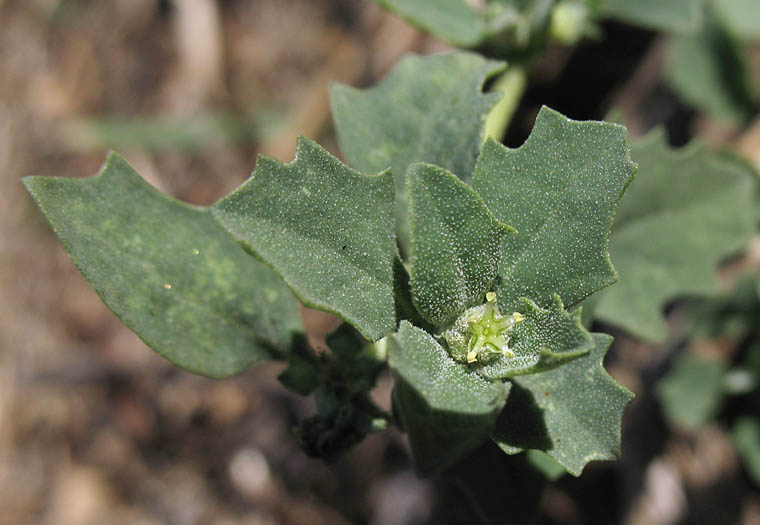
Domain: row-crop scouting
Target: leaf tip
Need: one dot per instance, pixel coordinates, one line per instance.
(304, 145)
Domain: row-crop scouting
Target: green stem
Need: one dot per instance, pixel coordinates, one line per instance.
(378, 351)
(511, 84)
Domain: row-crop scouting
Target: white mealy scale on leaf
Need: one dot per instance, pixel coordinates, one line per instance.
(481, 333)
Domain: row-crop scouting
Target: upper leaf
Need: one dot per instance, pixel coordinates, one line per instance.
(559, 190)
(428, 109)
(572, 413)
(452, 20)
(169, 272)
(685, 212)
(684, 16)
(455, 244)
(446, 408)
(326, 229)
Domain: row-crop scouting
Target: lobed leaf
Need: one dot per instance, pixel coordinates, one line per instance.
(685, 212)
(545, 339)
(446, 408)
(168, 271)
(326, 229)
(455, 244)
(559, 190)
(428, 109)
(573, 413)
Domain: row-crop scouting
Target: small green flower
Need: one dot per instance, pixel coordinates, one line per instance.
(481, 333)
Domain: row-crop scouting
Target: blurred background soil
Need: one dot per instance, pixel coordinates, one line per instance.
(95, 428)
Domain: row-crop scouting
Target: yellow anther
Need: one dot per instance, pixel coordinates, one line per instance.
(490, 297)
(472, 357)
(517, 317)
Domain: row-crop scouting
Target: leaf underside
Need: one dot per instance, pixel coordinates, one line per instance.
(168, 271)
(326, 229)
(573, 413)
(446, 408)
(559, 191)
(686, 211)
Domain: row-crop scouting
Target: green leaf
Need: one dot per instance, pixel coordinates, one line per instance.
(455, 244)
(405, 309)
(505, 28)
(692, 392)
(326, 229)
(545, 339)
(446, 408)
(501, 488)
(685, 212)
(429, 109)
(302, 374)
(572, 413)
(168, 271)
(709, 70)
(684, 16)
(559, 190)
(741, 16)
(746, 438)
(451, 20)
